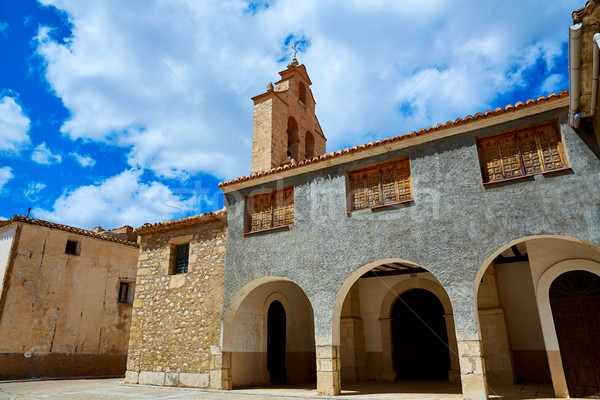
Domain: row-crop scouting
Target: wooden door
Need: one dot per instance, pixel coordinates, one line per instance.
(575, 301)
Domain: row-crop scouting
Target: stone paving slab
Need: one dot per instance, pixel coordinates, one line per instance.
(116, 389)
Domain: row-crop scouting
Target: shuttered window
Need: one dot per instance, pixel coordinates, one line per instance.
(381, 185)
(522, 153)
(271, 210)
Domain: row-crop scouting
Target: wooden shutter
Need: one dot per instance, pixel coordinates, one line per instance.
(529, 152)
(550, 147)
(261, 212)
(372, 191)
(288, 206)
(509, 155)
(358, 182)
(283, 207)
(395, 182)
(490, 160)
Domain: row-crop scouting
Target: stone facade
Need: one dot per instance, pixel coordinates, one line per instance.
(176, 328)
(60, 310)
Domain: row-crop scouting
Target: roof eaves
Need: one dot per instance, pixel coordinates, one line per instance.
(194, 220)
(469, 119)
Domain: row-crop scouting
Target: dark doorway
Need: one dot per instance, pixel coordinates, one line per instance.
(575, 301)
(276, 337)
(420, 340)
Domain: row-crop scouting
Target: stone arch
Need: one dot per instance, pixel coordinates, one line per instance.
(309, 145)
(293, 138)
(384, 317)
(302, 93)
(559, 380)
(244, 334)
(532, 346)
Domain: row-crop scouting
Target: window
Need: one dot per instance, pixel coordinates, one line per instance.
(309, 145)
(270, 210)
(72, 247)
(126, 290)
(182, 255)
(522, 153)
(302, 93)
(381, 185)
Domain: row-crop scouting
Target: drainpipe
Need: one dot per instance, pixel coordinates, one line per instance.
(574, 70)
(595, 70)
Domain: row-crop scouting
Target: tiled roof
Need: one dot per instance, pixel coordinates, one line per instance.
(40, 222)
(199, 219)
(459, 121)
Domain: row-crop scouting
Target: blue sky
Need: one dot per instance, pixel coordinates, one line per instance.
(115, 113)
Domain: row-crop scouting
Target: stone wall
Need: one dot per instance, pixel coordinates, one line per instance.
(176, 324)
(60, 314)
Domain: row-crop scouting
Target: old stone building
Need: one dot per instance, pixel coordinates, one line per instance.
(466, 252)
(65, 299)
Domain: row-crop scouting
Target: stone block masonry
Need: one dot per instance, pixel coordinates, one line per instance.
(176, 320)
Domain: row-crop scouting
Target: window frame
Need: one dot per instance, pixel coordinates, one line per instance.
(77, 249)
(350, 197)
(129, 292)
(174, 270)
(523, 158)
(250, 199)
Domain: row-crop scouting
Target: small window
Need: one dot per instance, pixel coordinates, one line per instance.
(523, 153)
(72, 247)
(126, 290)
(270, 210)
(182, 256)
(381, 185)
(302, 93)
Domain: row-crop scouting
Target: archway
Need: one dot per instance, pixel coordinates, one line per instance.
(309, 145)
(269, 324)
(419, 337)
(293, 139)
(276, 343)
(363, 327)
(575, 301)
(514, 313)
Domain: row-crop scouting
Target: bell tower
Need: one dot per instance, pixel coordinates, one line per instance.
(286, 129)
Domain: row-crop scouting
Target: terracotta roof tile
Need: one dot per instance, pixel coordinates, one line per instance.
(40, 222)
(412, 134)
(199, 219)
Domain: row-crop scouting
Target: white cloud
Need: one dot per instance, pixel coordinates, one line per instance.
(3, 28)
(32, 190)
(3, 218)
(6, 175)
(14, 126)
(552, 84)
(43, 155)
(445, 60)
(119, 200)
(84, 161)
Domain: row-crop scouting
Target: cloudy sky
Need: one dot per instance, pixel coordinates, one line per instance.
(126, 112)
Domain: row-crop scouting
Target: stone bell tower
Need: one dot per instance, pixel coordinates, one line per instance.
(286, 129)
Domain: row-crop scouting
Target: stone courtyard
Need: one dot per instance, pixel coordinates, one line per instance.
(116, 389)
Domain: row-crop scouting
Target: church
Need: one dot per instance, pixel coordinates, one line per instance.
(467, 253)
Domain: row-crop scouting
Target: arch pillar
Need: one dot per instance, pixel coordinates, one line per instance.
(328, 369)
(454, 373)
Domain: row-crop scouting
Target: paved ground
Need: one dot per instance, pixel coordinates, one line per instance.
(116, 389)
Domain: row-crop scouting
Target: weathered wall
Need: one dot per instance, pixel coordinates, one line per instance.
(177, 318)
(61, 316)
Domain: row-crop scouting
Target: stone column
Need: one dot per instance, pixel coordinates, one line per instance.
(387, 352)
(220, 369)
(472, 370)
(328, 370)
(454, 373)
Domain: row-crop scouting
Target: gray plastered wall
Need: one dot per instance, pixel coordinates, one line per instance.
(454, 224)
